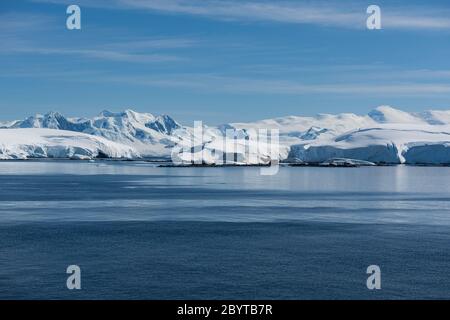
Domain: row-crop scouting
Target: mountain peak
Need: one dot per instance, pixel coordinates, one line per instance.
(106, 113)
(387, 114)
(110, 114)
(53, 114)
(129, 115)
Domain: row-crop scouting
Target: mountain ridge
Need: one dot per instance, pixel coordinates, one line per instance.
(156, 135)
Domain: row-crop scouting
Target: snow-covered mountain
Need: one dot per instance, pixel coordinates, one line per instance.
(343, 122)
(50, 143)
(149, 135)
(384, 135)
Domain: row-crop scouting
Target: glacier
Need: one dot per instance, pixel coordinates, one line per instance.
(383, 136)
(383, 144)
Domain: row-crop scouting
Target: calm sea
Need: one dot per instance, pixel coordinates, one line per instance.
(138, 231)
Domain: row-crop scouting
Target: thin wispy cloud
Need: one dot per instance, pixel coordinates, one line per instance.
(138, 51)
(376, 80)
(237, 85)
(104, 55)
(93, 54)
(18, 32)
(154, 43)
(348, 14)
(286, 12)
(421, 18)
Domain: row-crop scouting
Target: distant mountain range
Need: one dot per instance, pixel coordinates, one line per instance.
(384, 135)
(146, 133)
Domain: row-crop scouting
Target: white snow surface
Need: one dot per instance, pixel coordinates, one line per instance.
(53, 143)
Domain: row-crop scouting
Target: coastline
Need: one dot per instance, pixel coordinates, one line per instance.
(165, 163)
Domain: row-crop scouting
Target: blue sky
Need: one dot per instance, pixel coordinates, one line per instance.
(222, 61)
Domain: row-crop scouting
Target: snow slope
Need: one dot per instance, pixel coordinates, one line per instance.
(51, 143)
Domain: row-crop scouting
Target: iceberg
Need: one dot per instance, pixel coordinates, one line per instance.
(343, 162)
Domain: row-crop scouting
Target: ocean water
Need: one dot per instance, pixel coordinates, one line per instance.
(139, 231)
